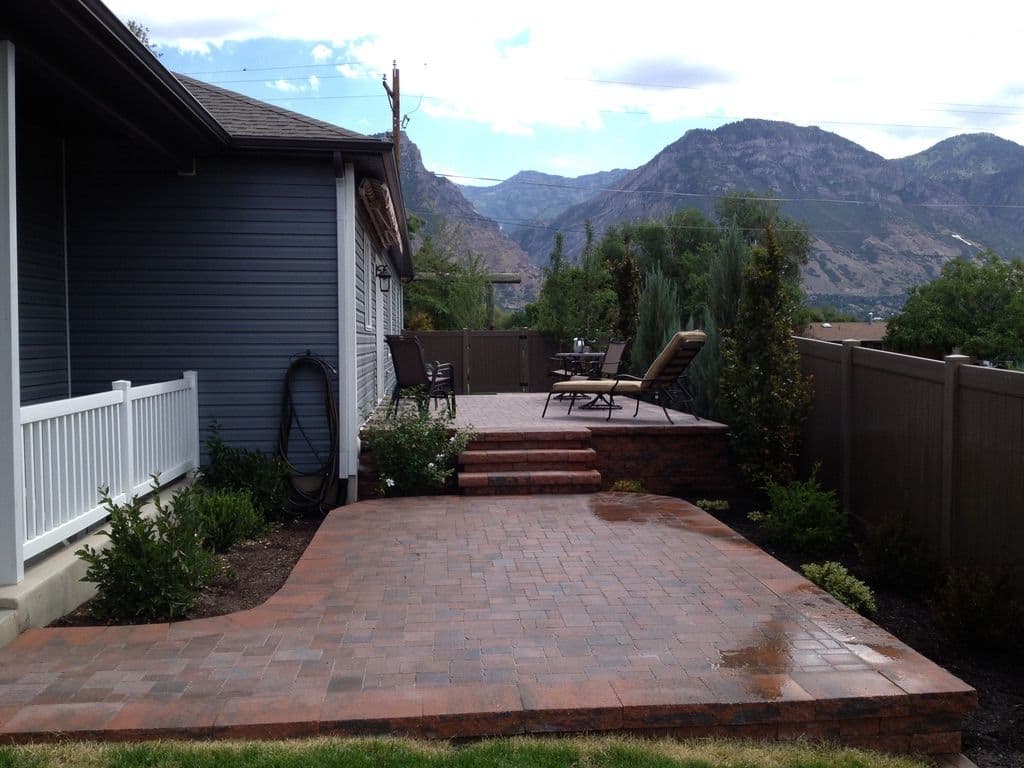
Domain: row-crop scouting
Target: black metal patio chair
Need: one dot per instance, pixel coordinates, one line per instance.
(418, 379)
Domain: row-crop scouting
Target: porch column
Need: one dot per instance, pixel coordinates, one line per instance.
(348, 401)
(12, 513)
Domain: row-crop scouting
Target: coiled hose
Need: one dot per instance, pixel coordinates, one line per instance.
(308, 497)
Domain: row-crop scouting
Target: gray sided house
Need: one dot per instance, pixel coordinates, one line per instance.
(151, 225)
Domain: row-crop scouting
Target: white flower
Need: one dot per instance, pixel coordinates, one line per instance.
(389, 482)
(430, 465)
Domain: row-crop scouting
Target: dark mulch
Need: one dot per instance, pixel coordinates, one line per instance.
(254, 570)
(994, 733)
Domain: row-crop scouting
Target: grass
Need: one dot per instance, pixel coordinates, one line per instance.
(522, 752)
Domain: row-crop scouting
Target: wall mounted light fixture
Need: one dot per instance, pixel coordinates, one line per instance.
(384, 278)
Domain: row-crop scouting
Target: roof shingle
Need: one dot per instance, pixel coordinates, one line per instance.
(247, 118)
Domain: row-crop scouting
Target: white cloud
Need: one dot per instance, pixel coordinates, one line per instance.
(867, 70)
(314, 83)
(284, 86)
(321, 53)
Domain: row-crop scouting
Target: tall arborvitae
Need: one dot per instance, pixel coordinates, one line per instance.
(725, 282)
(659, 319)
(619, 259)
(764, 396)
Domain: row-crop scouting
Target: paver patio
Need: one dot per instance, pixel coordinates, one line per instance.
(461, 617)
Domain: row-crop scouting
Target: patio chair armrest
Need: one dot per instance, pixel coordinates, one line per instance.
(627, 377)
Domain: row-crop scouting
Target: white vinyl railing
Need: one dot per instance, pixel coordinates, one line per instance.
(115, 439)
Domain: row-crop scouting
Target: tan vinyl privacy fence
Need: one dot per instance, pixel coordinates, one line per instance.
(492, 361)
(939, 442)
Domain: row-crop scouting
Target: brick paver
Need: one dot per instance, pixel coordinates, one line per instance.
(450, 616)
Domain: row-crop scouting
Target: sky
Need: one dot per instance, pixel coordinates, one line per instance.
(571, 88)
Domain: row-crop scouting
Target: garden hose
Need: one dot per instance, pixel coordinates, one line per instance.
(308, 497)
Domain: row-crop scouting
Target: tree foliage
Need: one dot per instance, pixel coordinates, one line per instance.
(764, 396)
(450, 289)
(141, 31)
(576, 300)
(659, 319)
(976, 306)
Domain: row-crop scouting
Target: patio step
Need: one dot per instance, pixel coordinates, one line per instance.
(563, 439)
(522, 459)
(516, 482)
(530, 461)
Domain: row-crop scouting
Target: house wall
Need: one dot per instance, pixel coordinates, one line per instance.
(41, 276)
(230, 272)
(373, 308)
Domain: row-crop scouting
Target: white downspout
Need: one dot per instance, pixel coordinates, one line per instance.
(12, 503)
(348, 421)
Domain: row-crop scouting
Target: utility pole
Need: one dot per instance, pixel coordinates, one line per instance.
(394, 97)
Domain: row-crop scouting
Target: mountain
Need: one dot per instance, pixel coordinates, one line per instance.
(531, 198)
(878, 225)
(439, 203)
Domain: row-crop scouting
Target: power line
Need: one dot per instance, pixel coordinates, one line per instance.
(709, 195)
(270, 69)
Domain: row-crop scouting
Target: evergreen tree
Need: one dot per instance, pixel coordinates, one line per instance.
(658, 321)
(724, 286)
(764, 396)
(617, 253)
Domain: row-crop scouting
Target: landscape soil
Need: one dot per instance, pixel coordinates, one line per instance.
(993, 735)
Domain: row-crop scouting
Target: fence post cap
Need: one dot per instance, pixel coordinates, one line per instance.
(121, 384)
(957, 359)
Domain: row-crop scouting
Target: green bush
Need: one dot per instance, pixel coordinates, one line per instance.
(843, 586)
(803, 517)
(238, 469)
(628, 486)
(978, 608)
(222, 518)
(897, 559)
(415, 452)
(154, 567)
(713, 505)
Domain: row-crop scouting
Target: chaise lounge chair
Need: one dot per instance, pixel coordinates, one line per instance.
(662, 375)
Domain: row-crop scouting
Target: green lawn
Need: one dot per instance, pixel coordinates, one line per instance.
(606, 752)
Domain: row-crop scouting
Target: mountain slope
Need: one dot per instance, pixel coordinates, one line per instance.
(530, 198)
(439, 203)
(878, 225)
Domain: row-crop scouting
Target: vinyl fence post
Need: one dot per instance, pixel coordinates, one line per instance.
(846, 424)
(127, 437)
(193, 417)
(465, 361)
(950, 450)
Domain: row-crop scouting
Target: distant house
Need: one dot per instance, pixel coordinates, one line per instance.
(152, 224)
(868, 334)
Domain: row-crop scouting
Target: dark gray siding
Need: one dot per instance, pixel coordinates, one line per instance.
(231, 272)
(366, 334)
(41, 278)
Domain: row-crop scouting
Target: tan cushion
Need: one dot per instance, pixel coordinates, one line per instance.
(596, 386)
(669, 351)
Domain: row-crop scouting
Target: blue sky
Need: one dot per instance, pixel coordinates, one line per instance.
(572, 88)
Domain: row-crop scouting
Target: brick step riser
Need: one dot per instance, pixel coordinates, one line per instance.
(498, 468)
(528, 490)
(528, 445)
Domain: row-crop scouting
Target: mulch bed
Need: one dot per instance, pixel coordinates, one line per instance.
(994, 733)
(254, 571)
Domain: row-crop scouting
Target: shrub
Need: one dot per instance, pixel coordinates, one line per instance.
(713, 505)
(803, 516)
(154, 567)
(222, 518)
(628, 486)
(415, 452)
(842, 585)
(897, 559)
(978, 608)
(238, 469)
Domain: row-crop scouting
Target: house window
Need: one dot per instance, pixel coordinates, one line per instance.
(369, 291)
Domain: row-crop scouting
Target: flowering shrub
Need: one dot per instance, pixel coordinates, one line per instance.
(415, 452)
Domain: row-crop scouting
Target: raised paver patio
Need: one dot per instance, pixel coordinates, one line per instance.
(461, 617)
